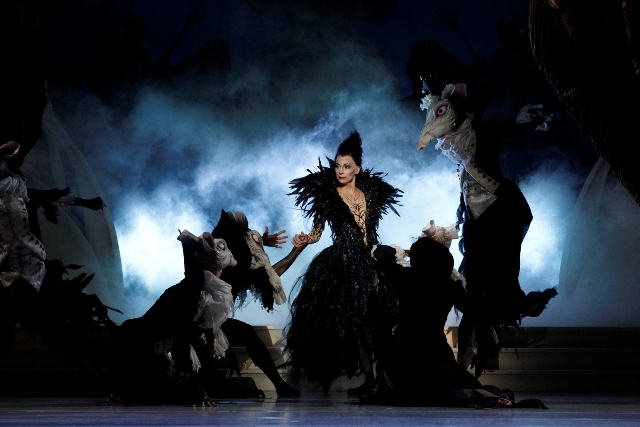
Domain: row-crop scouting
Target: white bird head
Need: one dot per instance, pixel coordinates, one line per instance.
(442, 116)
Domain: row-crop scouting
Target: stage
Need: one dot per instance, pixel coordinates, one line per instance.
(585, 376)
(334, 409)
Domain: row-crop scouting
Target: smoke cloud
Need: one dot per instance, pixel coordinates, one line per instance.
(187, 148)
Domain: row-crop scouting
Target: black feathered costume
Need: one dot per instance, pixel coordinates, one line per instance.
(344, 305)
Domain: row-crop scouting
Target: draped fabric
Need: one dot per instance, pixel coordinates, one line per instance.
(592, 46)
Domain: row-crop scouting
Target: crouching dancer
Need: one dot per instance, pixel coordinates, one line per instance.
(254, 275)
(166, 356)
(426, 292)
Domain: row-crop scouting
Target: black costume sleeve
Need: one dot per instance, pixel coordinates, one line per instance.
(461, 300)
(260, 287)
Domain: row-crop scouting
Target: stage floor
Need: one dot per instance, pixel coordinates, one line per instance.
(584, 410)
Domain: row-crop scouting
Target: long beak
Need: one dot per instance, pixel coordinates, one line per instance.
(425, 139)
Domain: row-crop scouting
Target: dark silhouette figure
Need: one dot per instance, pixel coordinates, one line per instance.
(121, 66)
(426, 294)
(242, 278)
(211, 62)
(430, 69)
(73, 324)
(22, 86)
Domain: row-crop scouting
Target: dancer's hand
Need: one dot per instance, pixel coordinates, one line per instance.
(94, 204)
(206, 401)
(274, 240)
(450, 233)
(300, 240)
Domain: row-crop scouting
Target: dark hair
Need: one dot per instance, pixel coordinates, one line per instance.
(351, 146)
(427, 254)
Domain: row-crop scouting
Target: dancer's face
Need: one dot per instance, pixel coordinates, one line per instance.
(346, 169)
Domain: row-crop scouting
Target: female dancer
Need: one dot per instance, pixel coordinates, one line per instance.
(345, 308)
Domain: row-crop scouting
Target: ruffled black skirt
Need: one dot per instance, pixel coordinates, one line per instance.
(344, 306)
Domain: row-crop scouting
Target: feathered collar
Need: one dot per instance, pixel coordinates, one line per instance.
(317, 195)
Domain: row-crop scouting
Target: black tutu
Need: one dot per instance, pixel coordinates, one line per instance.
(340, 307)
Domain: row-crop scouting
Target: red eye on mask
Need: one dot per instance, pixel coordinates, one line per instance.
(442, 110)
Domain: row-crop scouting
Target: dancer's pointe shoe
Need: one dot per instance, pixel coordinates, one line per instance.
(285, 390)
(364, 388)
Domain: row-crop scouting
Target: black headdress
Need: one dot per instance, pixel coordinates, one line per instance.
(352, 146)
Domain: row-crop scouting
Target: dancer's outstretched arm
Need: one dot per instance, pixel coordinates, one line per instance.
(300, 242)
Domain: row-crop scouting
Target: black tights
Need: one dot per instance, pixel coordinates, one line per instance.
(243, 333)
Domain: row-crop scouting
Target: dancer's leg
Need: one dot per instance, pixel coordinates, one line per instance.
(240, 332)
(215, 383)
(366, 366)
